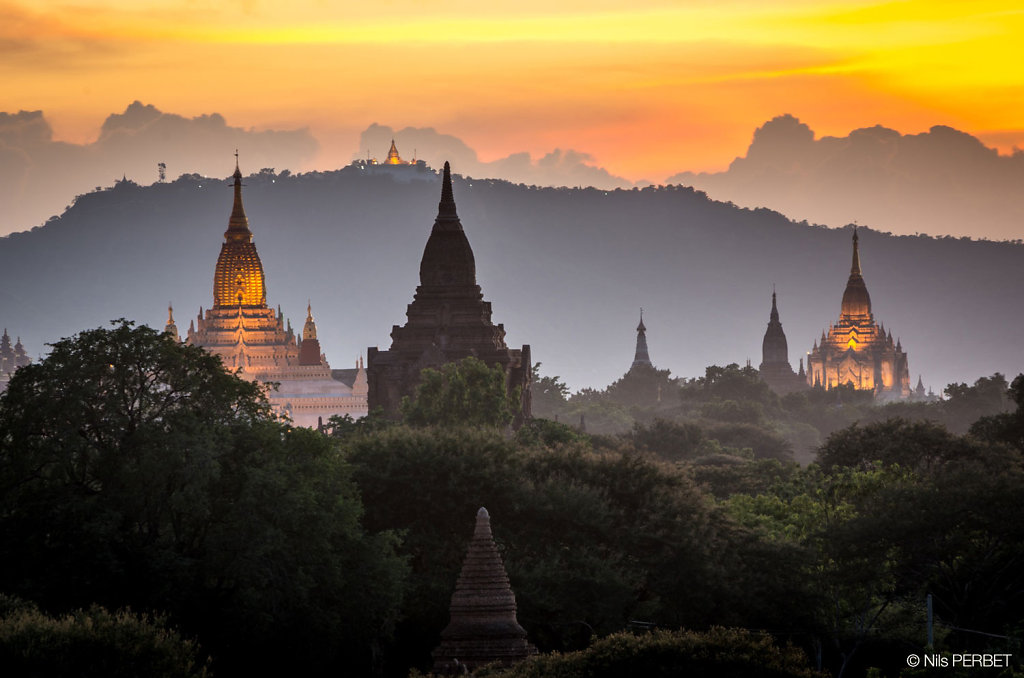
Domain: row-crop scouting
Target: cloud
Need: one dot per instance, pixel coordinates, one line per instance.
(39, 175)
(557, 168)
(941, 182)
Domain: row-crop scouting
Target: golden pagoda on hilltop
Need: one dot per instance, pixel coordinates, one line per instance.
(256, 341)
(394, 166)
(393, 157)
(856, 350)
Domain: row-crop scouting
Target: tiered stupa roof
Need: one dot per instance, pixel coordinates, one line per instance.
(483, 626)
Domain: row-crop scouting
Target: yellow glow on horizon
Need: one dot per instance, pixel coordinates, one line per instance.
(648, 91)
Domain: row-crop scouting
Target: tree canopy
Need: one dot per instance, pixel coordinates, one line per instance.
(463, 393)
(135, 471)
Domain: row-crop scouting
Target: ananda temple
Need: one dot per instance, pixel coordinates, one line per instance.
(260, 344)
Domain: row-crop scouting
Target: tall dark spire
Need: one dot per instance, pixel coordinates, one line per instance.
(774, 349)
(641, 357)
(448, 260)
(446, 208)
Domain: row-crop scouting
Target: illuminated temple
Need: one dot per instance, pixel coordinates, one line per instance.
(856, 350)
(258, 342)
(396, 167)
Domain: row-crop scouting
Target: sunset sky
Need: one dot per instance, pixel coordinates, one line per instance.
(658, 88)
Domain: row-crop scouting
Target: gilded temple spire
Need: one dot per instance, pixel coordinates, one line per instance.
(238, 224)
(238, 279)
(856, 300)
(170, 328)
(309, 329)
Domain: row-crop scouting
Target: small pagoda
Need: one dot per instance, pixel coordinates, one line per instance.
(483, 627)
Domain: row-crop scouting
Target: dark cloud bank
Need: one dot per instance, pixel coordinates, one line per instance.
(939, 182)
(38, 175)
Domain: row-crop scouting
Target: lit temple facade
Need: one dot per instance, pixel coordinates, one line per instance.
(256, 340)
(448, 320)
(858, 351)
(775, 368)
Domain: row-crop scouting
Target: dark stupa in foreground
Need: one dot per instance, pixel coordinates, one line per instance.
(483, 627)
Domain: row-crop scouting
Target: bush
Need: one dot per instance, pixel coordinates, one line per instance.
(93, 642)
(718, 653)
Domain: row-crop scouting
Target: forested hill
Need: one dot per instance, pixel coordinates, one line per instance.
(566, 270)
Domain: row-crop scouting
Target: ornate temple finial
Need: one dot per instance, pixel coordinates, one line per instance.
(170, 328)
(640, 327)
(238, 224)
(855, 267)
(309, 329)
(774, 315)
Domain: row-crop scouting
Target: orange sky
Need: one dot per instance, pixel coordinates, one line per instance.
(664, 86)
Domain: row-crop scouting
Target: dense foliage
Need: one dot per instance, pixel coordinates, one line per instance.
(717, 653)
(134, 471)
(92, 643)
(464, 393)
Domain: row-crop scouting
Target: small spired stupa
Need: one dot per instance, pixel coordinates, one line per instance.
(11, 358)
(255, 340)
(641, 358)
(448, 320)
(775, 369)
(857, 351)
(483, 627)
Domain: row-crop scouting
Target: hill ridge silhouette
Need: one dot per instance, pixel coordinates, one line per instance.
(565, 270)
